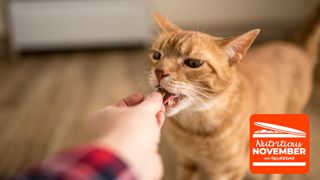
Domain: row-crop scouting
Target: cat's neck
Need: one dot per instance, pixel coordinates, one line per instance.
(213, 117)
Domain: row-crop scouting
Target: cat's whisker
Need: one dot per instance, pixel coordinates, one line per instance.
(201, 93)
(205, 89)
(194, 90)
(199, 87)
(194, 96)
(199, 102)
(218, 106)
(143, 84)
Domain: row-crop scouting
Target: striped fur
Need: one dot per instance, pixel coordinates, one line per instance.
(211, 131)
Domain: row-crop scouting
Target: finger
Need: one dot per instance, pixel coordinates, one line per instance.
(152, 103)
(131, 100)
(158, 167)
(160, 119)
(160, 116)
(163, 109)
(152, 167)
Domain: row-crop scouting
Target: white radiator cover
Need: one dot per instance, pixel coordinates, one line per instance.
(40, 24)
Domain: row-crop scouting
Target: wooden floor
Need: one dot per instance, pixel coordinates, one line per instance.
(46, 101)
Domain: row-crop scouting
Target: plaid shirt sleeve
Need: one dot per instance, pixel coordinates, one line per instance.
(84, 163)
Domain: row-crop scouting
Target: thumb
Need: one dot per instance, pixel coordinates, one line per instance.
(153, 102)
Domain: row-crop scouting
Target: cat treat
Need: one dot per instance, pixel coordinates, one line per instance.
(162, 92)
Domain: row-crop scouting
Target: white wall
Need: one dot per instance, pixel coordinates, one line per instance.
(221, 12)
(276, 18)
(1, 20)
(44, 25)
(215, 14)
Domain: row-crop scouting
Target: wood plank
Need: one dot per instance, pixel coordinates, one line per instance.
(47, 101)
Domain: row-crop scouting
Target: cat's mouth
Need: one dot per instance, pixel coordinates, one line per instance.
(170, 99)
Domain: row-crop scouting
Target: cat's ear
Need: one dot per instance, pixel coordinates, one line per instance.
(237, 47)
(164, 24)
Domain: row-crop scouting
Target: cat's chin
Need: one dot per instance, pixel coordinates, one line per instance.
(171, 111)
(179, 106)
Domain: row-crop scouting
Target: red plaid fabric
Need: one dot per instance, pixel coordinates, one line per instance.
(81, 164)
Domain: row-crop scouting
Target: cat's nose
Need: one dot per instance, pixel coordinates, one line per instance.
(160, 74)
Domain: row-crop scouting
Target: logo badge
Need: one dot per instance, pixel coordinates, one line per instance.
(279, 143)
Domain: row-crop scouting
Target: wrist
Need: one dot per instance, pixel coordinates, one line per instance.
(123, 150)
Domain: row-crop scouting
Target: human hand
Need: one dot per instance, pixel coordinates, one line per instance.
(131, 128)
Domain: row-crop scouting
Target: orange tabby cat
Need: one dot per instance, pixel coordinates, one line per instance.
(210, 95)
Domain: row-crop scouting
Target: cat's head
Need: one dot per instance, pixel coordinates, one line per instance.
(193, 67)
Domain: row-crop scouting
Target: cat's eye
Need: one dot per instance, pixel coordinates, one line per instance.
(156, 55)
(193, 63)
